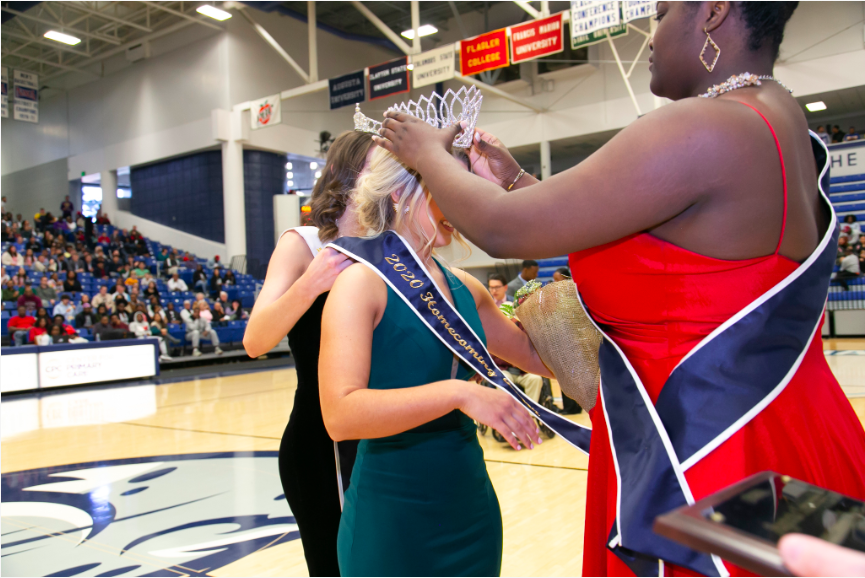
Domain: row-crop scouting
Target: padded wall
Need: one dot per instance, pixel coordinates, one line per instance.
(263, 177)
(184, 193)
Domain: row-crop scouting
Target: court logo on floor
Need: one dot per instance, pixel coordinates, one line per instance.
(156, 516)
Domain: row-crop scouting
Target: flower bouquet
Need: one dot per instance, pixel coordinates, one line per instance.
(563, 335)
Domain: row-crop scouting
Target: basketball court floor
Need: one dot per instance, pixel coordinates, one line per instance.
(181, 480)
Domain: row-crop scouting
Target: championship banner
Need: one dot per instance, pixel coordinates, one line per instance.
(591, 20)
(389, 78)
(433, 66)
(26, 105)
(266, 112)
(346, 90)
(5, 98)
(636, 9)
(485, 52)
(536, 39)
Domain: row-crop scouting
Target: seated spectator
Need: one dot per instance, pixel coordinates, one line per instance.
(38, 334)
(176, 284)
(131, 280)
(162, 256)
(65, 308)
(5, 276)
(122, 310)
(215, 284)
(29, 300)
(851, 229)
(102, 218)
(198, 329)
(141, 270)
(87, 264)
(83, 300)
(55, 282)
(837, 134)
(186, 312)
(223, 299)
(120, 291)
(41, 264)
(10, 292)
(103, 298)
(140, 327)
(199, 278)
(203, 308)
(822, 134)
(103, 238)
(87, 317)
(498, 288)
(236, 311)
(60, 321)
(151, 291)
(219, 314)
(29, 259)
(171, 314)
(851, 135)
(213, 263)
(72, 284)
(100, 270)
(172, 264)
(118, 323)
(229, 279)
(849, 268)
(57, 336)
(19, 325)
(103, 331)
(157, 313)
(11, 258)
(529, 272)
(46, 293)
(561, 274)
(160, 329)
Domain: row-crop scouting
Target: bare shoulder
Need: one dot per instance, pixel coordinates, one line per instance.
(292, 246)
(360, 284)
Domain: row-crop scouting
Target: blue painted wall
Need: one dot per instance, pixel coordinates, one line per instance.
(263, 177)
(183, 193)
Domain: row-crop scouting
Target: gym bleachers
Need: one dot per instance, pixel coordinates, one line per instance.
(848, 196)
(230, 332)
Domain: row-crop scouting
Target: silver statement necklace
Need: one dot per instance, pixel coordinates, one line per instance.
(740, 81)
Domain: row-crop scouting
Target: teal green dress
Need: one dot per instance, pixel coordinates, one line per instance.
(420, 503)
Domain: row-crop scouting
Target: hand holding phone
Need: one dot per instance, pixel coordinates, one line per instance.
(809, 556)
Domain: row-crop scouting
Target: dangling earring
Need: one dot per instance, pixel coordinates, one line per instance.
(717, 50)
(395, 208)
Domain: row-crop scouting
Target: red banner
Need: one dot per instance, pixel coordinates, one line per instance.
(485, 52)
(537, 38)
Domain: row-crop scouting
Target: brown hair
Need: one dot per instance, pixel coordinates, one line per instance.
(345, 160)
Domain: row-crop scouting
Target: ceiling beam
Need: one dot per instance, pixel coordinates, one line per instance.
(60, 25)
(459, 19)
(49, 63)
(202, 20)
(82, 8)
(275, 45)
(382, 27)
(528, 8)
(51, 43)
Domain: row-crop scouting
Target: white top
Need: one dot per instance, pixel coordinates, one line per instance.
(850, 263)
(310, 236)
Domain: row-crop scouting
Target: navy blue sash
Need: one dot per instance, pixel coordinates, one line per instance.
(723, 383)
(396, 263)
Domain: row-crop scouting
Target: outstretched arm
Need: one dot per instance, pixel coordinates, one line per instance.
(353, 411)
(646, 175)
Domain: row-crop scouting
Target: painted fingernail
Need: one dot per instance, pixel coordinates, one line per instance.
(540, 441)
(519, 447)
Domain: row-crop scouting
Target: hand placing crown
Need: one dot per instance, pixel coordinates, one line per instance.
(454, 109)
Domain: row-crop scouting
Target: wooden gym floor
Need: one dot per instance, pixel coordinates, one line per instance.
(187, 482)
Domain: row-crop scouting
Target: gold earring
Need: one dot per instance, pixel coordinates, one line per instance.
(717, 50)
(395, 208)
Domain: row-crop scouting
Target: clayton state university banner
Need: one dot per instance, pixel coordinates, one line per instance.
(389, 78)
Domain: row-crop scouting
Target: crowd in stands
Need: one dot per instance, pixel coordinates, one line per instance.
(851, 251)
(73, 279)
(837, 135)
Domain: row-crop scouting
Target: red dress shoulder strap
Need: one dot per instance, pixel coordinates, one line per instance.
(783, 172)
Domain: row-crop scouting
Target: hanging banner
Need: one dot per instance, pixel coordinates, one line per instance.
(433, 66)
(347, 90)
(591, 20)
(634, 10)
(537, 38)
(485, 52)
(388, 78)
(5, 100)
(26, 104)
(266, 112)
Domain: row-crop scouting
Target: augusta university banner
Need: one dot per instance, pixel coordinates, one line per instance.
(346, 90)
(389, 78)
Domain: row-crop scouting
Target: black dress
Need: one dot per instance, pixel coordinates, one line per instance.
(307, 464)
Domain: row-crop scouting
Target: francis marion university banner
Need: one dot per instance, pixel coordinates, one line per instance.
(536, 39)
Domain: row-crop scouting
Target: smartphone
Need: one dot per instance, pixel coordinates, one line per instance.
(743, 523)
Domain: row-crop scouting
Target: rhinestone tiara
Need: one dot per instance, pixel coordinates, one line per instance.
(439, 111)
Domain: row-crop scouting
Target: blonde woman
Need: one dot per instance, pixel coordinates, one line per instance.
(420, 501)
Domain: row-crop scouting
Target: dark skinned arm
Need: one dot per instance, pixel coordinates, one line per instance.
(658, 167)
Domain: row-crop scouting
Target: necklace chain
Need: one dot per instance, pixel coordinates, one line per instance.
(740, 81)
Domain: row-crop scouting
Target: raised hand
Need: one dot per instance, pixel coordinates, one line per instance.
(501, 412)
(491, 160)
(410, 139)
(323, 271)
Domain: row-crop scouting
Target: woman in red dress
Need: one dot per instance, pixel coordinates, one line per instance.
(712, 368)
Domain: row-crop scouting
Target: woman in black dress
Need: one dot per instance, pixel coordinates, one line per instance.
(299, 276)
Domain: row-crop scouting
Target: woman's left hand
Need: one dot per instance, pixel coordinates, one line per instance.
(410, 139)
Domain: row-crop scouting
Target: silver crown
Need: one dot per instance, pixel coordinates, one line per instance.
(436, 110)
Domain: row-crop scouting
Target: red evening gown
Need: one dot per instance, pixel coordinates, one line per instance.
(656, 301)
